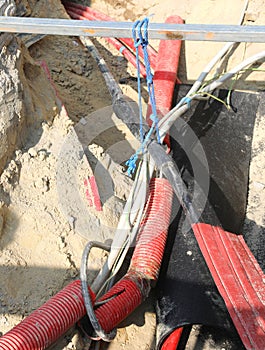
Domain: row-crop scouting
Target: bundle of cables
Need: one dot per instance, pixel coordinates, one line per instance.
(154, 156)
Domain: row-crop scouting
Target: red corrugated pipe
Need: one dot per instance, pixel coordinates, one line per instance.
(146, 260)
(165, 77)
(45, 325)
(75, 10)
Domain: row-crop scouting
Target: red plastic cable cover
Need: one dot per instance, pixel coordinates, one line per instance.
(129, 292)
(152, 235)
(126, 295)
(239, 279)
(172, 340)
(46, 324)
(165, 76)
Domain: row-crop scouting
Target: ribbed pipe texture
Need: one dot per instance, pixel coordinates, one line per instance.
(45, 325)
(128, 293)
(151, 240)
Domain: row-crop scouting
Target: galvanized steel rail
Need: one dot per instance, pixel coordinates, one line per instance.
(192, 32)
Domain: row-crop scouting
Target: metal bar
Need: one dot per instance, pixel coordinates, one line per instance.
(193, 32)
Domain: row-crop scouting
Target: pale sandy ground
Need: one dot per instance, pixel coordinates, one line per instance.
(40, 250)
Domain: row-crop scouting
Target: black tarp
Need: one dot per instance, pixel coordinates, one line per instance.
(186, 291)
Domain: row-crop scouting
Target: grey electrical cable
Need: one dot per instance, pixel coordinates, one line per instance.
(87, 298)
(134, 207)
(216, 59)
(166, 122)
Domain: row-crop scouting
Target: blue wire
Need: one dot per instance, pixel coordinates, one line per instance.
(137, 43)
(141, 38)
(149, 76)
(187, 100)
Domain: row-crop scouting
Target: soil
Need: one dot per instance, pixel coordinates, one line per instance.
(41, 239)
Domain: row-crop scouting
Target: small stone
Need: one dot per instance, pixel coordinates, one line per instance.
(43, 184)
(70, 346)
(73, 273)
(32, 152)
(62, 243)
(251, 16)
(3, 320)
(13, 309)
(71, 221)
(45, 126)
(7, 173)
(42, 155)
(77, 69)
(258, 185)
(45, 188)
(83, 121)
(189, 253)
(56, 69)
(13, 166)
(18, 154)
